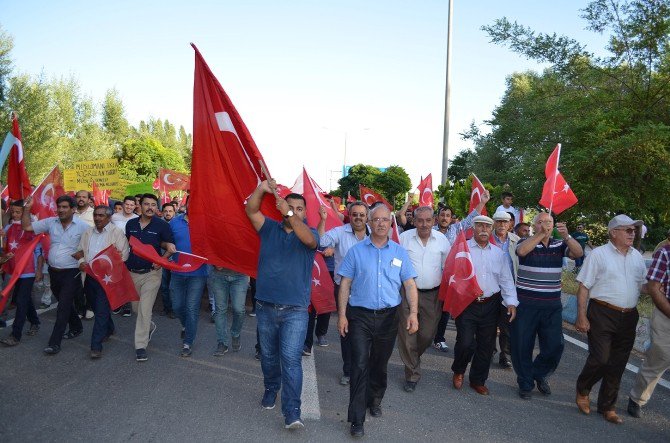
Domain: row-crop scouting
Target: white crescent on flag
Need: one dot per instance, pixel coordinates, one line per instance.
(165, 179)
(43, 195)
(367, 200)
(316, 281)
(105, 258)
(465, 255)
(430, 195)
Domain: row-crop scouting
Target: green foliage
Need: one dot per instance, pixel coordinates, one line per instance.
(393, 183)
(113, 117)
(358, 175)
(141, 157)
(6, 46)
(456, 195)
(460, 166)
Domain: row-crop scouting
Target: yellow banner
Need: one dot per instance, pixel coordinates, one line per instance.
(104, 172)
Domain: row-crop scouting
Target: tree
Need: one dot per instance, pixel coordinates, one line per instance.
(141, 158)
(359, 174)
(460, 166)
(113, 117)
(393, 183)
(6, 46)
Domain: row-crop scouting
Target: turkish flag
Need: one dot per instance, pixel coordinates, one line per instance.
(459, 285)
(426, 191)
(476, 194)
(100, 196)
(108, 269)
(370, 197)
(314, 200)
(395, 232)
(225, 170)
(185, 262)
(169, 180)
(165, 198)
(556, 193)
(21, 259)
(45, 195)
(322, 297)
(5, 194)
(17, 176)
(350, 199)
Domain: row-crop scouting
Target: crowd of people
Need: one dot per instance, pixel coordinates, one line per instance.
(385, 292)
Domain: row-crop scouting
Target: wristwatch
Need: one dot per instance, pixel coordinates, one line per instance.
(569, 237)
(289, 214)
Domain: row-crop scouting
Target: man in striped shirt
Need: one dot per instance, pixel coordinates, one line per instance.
(539, 313)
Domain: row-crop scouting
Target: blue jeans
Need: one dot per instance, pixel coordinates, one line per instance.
(281, 330)
(185, 294)
(223, 285)
(103, 325)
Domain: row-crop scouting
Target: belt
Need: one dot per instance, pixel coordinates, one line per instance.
(274, 305)
(51, 268)
(431, 289)
(482, 299)
(374, 311)
(611, 306)
(140, 271)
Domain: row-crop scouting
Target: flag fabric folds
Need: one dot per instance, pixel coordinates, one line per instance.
(314, 200)
(459, 285)
(426, 191)
(556, 193)
(225, 170)
(476, 194)
(100, 196)
(45, 195)
(17, 176)
(370, 197)
(322, 287)
(169, 180)
(185, 262)
(22, 258)
(108, 269)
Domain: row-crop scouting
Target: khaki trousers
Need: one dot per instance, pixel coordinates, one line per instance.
(147, 288)
(412, 347)
(656, 361)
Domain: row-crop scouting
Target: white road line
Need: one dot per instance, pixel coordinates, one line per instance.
(39, 311)
(310, 390)
(631, 368)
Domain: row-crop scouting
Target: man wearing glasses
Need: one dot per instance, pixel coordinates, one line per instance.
(611, 279)
(540, 310)
(371, 276)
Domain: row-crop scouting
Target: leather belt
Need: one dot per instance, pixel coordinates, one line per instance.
(431, 289)
(374, 311)
(51, 268)
(611, 306)
(483, 299)
(140, 271)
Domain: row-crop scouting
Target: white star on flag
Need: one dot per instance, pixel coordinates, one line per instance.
(316, 282)
(107, 279)
(13, 245)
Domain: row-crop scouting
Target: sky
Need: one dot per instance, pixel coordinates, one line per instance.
(304, 75)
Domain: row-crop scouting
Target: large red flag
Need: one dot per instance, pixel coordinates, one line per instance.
(556, 193)
(459, 285)
(108, 269)
(22, 258)
(225, 170)
(426, 191)
(476, 195)
(17, 176)
(370, 197)
(314, 200)
(169, 180)
(185, 262)
(45, 195)
(322, 287)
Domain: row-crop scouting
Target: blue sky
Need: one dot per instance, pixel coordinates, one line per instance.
(301, 73)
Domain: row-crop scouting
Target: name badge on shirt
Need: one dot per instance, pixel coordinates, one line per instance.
(396, 262)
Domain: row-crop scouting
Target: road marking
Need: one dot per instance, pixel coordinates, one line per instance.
(630, 367)
(310, 390)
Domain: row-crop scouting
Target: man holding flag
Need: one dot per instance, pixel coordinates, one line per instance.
(94, 240)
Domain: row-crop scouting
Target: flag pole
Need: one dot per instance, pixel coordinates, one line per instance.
(553, 187)
(267, 175)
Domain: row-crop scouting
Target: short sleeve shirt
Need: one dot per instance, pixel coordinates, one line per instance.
(658, 271)
(153, 234)
(538, 280)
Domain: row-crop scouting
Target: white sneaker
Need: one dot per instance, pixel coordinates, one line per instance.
(441, 346)
(89, 314)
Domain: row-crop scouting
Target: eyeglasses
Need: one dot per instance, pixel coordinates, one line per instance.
(628, 230)
(358, 214)
(381, 219)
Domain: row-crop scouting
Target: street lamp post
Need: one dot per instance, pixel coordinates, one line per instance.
(445, 142)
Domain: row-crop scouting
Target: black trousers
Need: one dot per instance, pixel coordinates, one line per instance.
(345, 347)
(441, 328)
(503, 336)
(611, 339)
(372, 339)
(65, 285)
(475, 339)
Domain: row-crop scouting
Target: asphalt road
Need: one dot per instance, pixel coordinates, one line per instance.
(69, 397)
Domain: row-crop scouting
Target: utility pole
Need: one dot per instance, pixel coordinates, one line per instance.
(445, 142)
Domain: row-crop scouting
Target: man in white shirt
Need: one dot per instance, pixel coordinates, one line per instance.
(611, 277)
(476, 325)
(93, 241)
(427, 249)
(84, 209)
(507, 199)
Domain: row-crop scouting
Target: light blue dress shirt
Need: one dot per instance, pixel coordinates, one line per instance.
(64, 242)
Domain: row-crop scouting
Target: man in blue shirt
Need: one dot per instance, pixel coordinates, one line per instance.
(283, 288)
(186, 288)
(372, 273)
(146, 276)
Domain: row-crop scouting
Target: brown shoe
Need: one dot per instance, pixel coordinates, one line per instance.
(9, 341)
(480, 389)
(458, 381)
(583, 403)
(96, 354)
(612, 417)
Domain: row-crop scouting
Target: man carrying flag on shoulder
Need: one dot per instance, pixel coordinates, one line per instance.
(150, 230)
(17, 239)
(94, 240)
(65, 232)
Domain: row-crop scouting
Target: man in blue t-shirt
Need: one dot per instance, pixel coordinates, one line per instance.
(283, 288)
(538, 287)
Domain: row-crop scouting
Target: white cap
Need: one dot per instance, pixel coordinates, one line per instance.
(482, 219)
(502, 215)
(622, 220)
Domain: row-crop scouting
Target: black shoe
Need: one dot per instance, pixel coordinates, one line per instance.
(52, 350)
(526, 395)
(127, 312)
(375, 411)
(116, 311)
(141, 355)
(543, 386)
(257, 355)
(72, 334)
(505, 363)
(357, 430)
(633, 409)
(410, 386)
